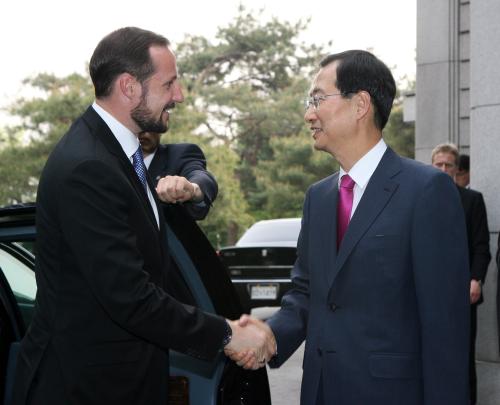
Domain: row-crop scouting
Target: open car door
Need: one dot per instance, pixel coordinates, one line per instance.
(197, 278)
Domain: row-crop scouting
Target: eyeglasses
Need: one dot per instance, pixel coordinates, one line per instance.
(314, 101)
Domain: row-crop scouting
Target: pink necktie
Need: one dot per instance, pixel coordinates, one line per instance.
(344, 206)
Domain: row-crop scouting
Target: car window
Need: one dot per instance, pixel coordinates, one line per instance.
(28, 245)
(20, 277)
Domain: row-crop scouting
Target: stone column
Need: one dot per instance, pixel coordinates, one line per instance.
(485, 173)
(442, 88)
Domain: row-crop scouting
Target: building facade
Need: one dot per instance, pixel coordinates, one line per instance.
(458, 100)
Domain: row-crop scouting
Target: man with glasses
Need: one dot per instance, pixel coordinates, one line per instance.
(381, 282)
(445, 157)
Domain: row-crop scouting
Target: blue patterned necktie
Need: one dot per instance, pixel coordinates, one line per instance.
(139, 167)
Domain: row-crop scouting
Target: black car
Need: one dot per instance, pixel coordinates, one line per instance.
(260, 263)
(198, 279)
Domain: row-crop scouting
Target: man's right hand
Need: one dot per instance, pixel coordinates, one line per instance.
(253, 343)
(174, 189)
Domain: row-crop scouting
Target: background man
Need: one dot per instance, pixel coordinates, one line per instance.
(381, 285)
(497, 259)
(445, 157)
(462, 177)
(103, 323)
(179, 172)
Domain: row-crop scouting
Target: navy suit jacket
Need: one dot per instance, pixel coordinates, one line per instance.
(186, 160)
(386, 317)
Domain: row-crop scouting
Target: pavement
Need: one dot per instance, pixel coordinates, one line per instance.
(284, 382)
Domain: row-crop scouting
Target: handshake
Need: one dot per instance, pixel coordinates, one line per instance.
(252, 344)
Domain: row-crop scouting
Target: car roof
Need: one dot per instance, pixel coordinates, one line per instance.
(272, 233)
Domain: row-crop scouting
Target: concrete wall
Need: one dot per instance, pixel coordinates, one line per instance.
(458, 100)
(442, 88)
(485, 170)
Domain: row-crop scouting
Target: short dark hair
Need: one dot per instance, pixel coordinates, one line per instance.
(360, 70)
(125, 50)
(464, 163)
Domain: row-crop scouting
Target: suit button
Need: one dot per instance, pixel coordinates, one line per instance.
(334, 307)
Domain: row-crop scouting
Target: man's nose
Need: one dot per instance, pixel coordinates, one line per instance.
(310, 114)
(178, 94)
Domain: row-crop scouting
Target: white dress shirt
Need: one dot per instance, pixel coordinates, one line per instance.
(129, 143)
(149, 158)
(362, 171)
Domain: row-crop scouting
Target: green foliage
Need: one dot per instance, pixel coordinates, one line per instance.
(44, 119)
(19, 171)
(229, 215)
(249, 83)
(243, 95)
(283, 180)
(264, 55)
(400, 135)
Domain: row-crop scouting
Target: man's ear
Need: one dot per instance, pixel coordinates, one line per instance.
(128, 85)
(363, 104)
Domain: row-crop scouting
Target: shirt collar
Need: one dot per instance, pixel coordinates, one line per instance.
(364, 167)
(128, 141)
(149, 158)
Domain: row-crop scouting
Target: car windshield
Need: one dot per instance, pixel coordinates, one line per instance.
(272, 232)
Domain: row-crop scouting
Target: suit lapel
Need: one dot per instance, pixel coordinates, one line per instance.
(379, 191)
(102, 131)
(328, 225)
(152, 186)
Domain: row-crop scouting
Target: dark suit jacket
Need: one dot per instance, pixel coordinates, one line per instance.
(498, 252)
(498, 289)
(386, 318)
(103, 323)
(186, 160)
(478, 235)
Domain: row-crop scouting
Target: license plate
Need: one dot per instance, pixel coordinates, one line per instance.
(263, 292)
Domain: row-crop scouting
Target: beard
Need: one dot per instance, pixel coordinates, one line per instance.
(143, 117)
